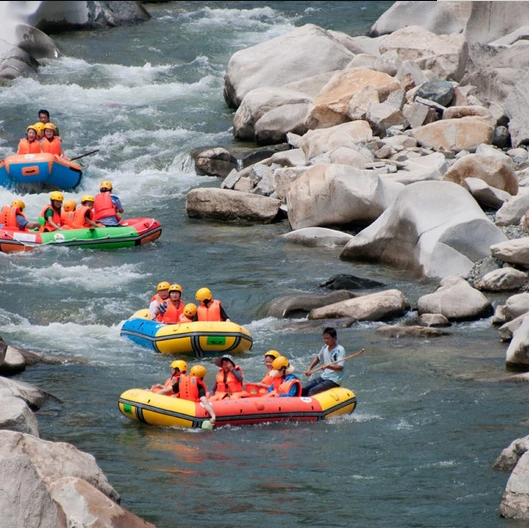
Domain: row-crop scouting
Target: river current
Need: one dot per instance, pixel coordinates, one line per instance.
(432, 415)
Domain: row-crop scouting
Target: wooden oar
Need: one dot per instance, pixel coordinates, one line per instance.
(338, 361)
(82, 156)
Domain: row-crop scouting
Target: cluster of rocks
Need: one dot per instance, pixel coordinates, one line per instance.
(67, 486)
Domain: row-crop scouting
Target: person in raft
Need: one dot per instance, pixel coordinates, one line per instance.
(332, 375)
(261, 387)
(178, 367)
(68, 212)
(107, 206)
(29, 144)
(51, 143)
(50, 216)
(188, 315)
(194, 389)
(229, 381)
(12, 216)
(173, 306)
(161, 297)
(84, 214)
(44, 119)
(209, 309)
(285, 383)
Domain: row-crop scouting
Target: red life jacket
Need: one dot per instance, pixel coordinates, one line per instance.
(103, 206)
(188, 387)
(267, 380)
(79, 218)
(25, 147)
(56, 217)
(172, 312)
(169, 382)
(51, 147)
(8, 216)
(210, 312)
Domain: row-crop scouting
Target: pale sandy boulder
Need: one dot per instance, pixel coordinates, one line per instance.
(333, 195)
(371, 307)
(517, 354)
(466, 133)
(231, 205)
(422, 168)
(514, 209)
(317, 142)
(489, 164)
(331, 106)
(304, 52)
(457, 112)
(317, 237)
(484, 194)
(433, 229)
(515, 251)
(300, 305)
(444, 55)
(457, 300)
(15, 415)
(502, 279)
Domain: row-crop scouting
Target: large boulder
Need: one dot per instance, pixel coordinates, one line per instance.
(433, 229)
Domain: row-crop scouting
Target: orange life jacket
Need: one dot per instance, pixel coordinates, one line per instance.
(172, 312)
(56, 217)
(184, 319)
(67, 218)
(79, 218)
(283, 387)
(25, 147)
(232, 387)
(104, 206)
(8, 216)
(51, 147)
(210, 312)
(267, 380)
(188, 387)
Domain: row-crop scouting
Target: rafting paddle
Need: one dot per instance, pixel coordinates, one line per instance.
(83, 155)
(338, 361)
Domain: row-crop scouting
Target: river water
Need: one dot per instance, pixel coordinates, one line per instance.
(432, 415)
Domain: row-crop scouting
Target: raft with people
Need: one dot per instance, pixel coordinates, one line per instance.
(150, 408)
(130, 232)
(201, 338)
(35, 172)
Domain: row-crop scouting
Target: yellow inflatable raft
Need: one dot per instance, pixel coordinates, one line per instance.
(202, 338)
(154, 409)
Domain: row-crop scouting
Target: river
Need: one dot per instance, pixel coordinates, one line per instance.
(432, 414)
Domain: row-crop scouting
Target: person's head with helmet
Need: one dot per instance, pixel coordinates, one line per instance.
(179, 366)
(163, 289)
(19, 205)
(105, 186)
(56, 199)
(204, 295)
(49, 130)
(281, 367)
(87, 200)
(269, 357)
(190, 310)
(198, 371)
(32, 133)
(69, 206)
(175, 292)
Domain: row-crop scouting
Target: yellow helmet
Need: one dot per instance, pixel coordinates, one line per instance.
(190, 310)
(280, 362)
(180, 365)
(32, 127)
(175, 287)
(105, 185)
(19, 204)
(56, 195)
(203, 295)
(49, 125)
(69, 205)
(87, 198)
(163, 286)
(199, 371)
